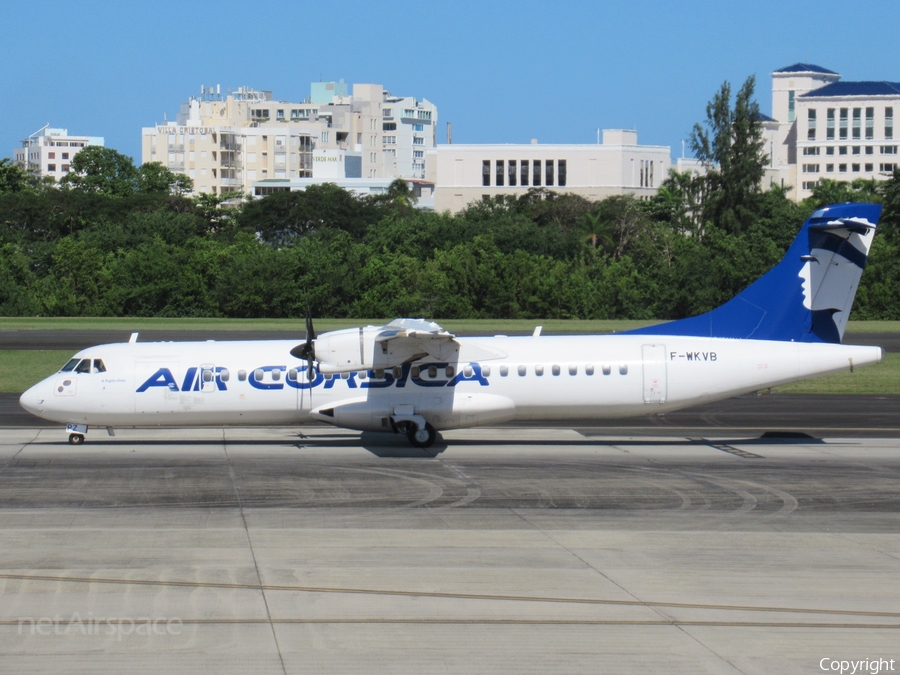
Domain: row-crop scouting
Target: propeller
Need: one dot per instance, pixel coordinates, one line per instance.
(307, 350)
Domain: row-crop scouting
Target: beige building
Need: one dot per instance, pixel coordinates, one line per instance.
(49, 152)
(826, 128)
(227, 143)
(464, 173)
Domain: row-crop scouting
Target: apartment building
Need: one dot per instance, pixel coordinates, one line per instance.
(49, 152)
(229, 142)
(464, 173)
(828, 128)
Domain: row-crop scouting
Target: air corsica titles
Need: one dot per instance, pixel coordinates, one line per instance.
(196, 377)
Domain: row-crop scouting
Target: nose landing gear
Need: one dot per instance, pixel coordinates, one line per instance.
(76, 439)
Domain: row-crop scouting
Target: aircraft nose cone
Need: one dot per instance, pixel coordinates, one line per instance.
(34, 399)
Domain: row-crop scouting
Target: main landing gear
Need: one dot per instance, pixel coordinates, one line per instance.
(76, 439)
(421, 437)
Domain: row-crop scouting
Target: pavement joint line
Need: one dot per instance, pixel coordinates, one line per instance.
(526, 622)
(724, 447)
(262, 591)
(451, 596)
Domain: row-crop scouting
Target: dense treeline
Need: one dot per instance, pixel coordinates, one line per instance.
(70, 253)
(115, 240)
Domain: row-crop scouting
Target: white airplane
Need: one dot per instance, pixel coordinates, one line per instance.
(411, 376)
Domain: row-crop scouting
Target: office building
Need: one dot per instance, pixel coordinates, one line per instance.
(49, 152)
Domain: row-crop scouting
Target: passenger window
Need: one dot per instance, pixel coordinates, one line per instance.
(379, 373)
(555, 370)
(486, 371)
(84, 366)
(521, 371)
(224, 375)
(414, 371)
(292, 375)
(276, 375)
(589, 369)
(361, 374)
(573, 369)
(449, 371)
(242, 375)
(504, 371)
(467, 371)
(344, 376)
(70, 365)
(607, 369)
(539, 370)
(207, 376)
(398, 372)
(258, 374)
(98, 366)
(623, 369)
(432, 372)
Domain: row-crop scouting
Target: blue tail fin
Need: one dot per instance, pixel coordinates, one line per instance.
(807, 296)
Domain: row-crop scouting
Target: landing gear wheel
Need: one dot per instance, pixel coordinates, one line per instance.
(76, 439)
(422, 438)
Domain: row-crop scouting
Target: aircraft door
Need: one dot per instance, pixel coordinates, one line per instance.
(654, 368)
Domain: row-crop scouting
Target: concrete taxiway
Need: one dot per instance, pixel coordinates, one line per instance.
(507, 550)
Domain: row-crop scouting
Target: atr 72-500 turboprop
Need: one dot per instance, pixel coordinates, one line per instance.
(411, 376)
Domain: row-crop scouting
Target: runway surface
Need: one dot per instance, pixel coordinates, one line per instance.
(73, 340)
(498, 551)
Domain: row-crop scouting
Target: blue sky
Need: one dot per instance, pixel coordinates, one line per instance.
(500, 71)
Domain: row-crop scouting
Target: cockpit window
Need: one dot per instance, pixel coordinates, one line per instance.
(84, 366)
(70, 365)
(98, 366)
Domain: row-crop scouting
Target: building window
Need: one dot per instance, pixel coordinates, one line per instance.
(842, 168)
(809, 185)
(51, 167)
(51, 155)
(512, 173)
(486, 172)
(857, 123)
(418, 127)
(561, 172)
(388, 112)
(811, 126)
(829, 124)
(279, 115)
(324, 137)
(811, 151)
(425, 115)
(843, 123)
(829, 150)
(889, 123)
(869, 168)
(418, 140)
(870, 150)
(870, 123)
(790, 106)
(829, 168)
(856, 149)
(888, 149)
(548, 172)
(855, 168)
(887, 168)
(389, 126)
(418, 154)
(499, 173)
(390, 140)
(524, 173)
(66, 167)
(810, 168)
(842, 150)
(536, 173)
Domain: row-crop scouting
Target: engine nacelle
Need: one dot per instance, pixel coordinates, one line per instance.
(376, 347)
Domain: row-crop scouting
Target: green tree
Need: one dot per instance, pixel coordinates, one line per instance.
(730, 146)
(102, 171)
(154, 178)
(12, 178)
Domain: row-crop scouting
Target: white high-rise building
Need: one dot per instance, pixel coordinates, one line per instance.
(229, 142)
(826, 128)
(49, 152)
